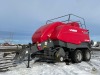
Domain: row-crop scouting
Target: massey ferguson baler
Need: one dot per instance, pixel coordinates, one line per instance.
(62, 40)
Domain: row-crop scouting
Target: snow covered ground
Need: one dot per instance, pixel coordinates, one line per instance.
(43, 68)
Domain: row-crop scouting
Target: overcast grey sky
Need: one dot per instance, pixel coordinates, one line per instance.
(23, 17)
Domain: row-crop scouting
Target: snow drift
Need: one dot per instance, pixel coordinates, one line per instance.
(43, 68)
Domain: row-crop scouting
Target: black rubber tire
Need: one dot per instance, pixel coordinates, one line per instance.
(60, 59)
(59, 55)
(76, 56)
(86, 55)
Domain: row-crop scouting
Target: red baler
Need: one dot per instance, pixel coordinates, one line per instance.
(62, 40)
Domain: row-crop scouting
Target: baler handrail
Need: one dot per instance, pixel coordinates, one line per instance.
(75, 21)
(56, 18)
(69, 15)
(81, 18)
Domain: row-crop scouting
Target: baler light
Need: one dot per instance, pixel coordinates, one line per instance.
(45, 43)
(39, 46)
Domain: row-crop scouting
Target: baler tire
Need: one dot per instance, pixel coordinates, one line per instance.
(59, 55)
(86, 55)
(59, 59)
(76, 56)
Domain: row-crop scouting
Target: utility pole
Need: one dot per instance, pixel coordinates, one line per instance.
(11, 37)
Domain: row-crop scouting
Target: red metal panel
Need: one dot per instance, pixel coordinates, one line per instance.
(70, 32)
(44, 32)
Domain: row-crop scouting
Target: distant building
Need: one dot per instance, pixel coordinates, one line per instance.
(96, 44)
(6, 44)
